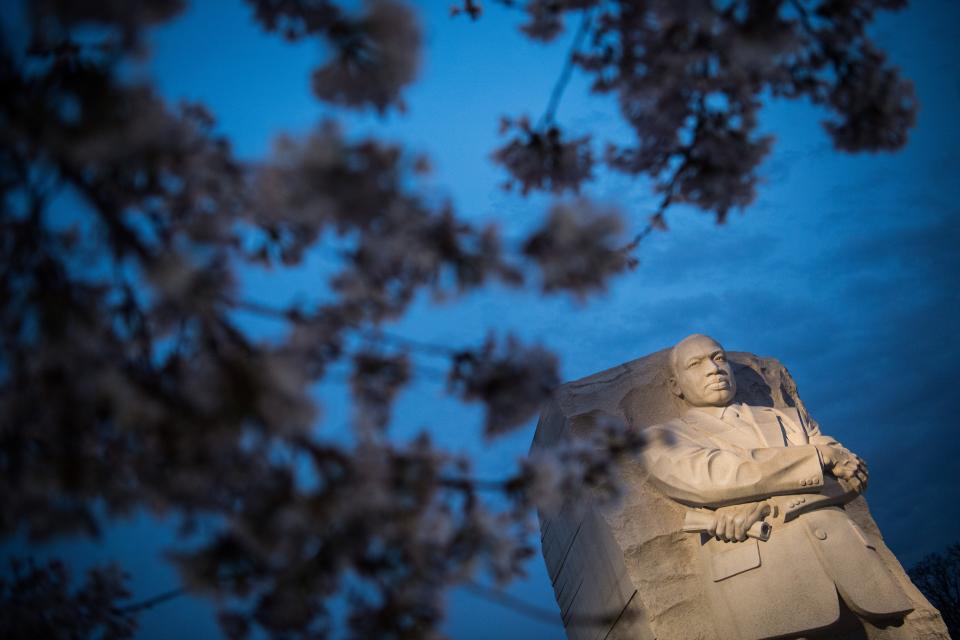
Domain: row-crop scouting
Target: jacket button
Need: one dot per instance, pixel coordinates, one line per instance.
(803, 483)
(820, 534)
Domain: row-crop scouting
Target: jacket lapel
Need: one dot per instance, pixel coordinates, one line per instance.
(767, 424)
(722, 432)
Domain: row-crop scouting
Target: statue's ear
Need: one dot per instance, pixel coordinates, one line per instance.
(674, 386)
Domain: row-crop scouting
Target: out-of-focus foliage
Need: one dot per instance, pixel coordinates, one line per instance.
(543, 160)
(38, 602)
(512, 381)
(938, 577)
(689, 77)
(577, 248)
(127, 383)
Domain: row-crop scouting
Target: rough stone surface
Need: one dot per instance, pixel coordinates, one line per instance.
(628, 571)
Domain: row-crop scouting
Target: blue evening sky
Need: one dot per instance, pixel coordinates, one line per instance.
(846, 268)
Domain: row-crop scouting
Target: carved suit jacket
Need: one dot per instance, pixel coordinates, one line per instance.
(789, 584)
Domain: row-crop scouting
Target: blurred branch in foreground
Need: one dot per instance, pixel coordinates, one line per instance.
(937, 575)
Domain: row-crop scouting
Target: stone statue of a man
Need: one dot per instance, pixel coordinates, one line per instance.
(735, 465)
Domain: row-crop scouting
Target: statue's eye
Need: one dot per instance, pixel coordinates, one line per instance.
(721, 358)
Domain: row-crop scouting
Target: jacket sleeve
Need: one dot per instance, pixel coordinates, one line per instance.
(697, 472)
(812, 428)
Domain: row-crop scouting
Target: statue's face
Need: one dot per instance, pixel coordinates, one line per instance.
(702, 375)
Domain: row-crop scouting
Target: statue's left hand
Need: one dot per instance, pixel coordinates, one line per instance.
(731, 523)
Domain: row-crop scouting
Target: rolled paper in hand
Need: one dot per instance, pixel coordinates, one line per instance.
(699, 522)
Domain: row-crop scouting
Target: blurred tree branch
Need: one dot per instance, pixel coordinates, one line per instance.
(938, 577)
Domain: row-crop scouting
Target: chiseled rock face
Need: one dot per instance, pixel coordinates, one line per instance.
(628, 571)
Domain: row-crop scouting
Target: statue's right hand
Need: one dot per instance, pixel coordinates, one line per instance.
(845, 465)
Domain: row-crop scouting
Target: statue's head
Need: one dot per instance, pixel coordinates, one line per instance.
(700, 373)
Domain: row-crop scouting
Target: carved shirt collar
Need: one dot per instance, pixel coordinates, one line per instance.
(731, 410)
